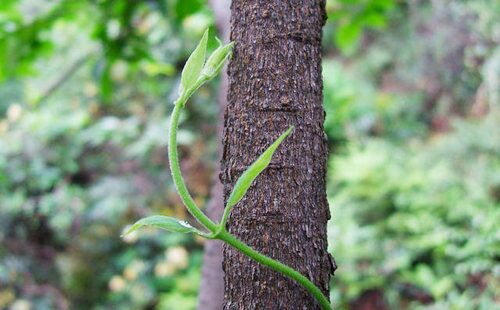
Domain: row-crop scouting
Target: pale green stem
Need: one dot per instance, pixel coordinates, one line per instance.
(177, 175)
(219, 231)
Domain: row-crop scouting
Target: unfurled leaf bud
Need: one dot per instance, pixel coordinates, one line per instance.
(216, 61)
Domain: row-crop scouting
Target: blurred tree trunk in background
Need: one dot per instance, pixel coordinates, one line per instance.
(275, 82)
(211, 295)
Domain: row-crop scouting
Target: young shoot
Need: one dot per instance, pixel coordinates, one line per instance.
(196, 72)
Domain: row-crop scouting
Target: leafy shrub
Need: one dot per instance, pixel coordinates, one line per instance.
(419, 221)
(78, 163)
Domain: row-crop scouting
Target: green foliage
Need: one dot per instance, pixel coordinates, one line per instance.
(351, 18)
(413, 190)
(356, 108)
(83, 119)
(420, 220)
(22, 38)
(74, 171)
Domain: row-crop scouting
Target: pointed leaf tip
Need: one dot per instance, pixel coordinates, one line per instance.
(194, 64)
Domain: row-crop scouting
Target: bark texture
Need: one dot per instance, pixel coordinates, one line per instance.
(211, 295)
(275, 82)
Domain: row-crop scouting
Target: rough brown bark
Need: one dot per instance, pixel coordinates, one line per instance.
(211, 295)
(275, 82)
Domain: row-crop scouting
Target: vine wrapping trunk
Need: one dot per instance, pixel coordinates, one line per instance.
(198, 70)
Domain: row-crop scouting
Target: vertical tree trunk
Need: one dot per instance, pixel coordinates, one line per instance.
(275, 82)
(211, 295)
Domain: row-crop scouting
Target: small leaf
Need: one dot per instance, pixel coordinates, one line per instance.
(216, 61)
(163, 222)
(194, 65)
(246, 179)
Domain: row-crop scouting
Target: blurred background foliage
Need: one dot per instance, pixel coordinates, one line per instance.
(411, 93)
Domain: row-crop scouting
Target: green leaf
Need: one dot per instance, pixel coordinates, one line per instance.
(194, 65)
(246, 179)
(216, 61)
(347, 37)
(164, 222)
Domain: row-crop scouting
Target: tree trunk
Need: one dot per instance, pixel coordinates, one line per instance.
(211, 295)
(275, 82)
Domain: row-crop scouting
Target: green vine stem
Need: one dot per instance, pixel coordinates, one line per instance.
(195, 73)
(219, 231)
(175, 169)
(277, 266)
